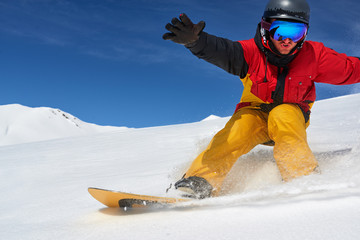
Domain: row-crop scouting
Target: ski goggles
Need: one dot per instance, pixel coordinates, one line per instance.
(281, 30)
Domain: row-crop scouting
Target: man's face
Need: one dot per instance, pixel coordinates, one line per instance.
(283, 46)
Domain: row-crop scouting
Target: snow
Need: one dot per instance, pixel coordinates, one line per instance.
(21, 124)
(44, 181)
(211, 117)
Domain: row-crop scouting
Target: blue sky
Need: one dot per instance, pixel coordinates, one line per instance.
(105, 62)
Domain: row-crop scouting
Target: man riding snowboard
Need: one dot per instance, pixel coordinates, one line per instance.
(278, 69)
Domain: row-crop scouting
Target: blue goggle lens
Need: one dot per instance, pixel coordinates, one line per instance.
(281, 30)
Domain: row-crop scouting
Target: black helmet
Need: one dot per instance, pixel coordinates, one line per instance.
(297, 10)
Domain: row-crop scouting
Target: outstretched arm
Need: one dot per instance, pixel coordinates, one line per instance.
(337, 68)
(221, 52)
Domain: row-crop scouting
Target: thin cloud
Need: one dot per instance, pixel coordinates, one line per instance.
(136, 50)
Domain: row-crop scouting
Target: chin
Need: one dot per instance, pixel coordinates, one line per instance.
(285, 53)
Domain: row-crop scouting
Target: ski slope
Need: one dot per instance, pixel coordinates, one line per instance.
(44, 184)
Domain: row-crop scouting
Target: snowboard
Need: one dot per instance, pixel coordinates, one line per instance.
(125, 201)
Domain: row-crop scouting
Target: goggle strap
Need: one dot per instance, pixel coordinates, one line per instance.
(265, 25)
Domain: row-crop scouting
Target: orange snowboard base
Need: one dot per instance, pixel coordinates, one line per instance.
(114, 199)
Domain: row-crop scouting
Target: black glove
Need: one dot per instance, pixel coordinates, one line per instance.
(183, 31)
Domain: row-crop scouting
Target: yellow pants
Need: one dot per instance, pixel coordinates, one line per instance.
(285, 125)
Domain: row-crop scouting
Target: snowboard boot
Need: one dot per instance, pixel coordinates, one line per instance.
(196, 187)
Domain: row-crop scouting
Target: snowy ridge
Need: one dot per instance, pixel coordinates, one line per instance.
(21, 124)
(45, 184)
(211, 117)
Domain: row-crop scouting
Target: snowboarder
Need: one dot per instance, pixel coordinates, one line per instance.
(278, 69)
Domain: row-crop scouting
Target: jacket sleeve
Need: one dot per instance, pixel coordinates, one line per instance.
(337, 68)
(221, 52)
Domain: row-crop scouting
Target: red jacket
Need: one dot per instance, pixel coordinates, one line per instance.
(313, 63)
